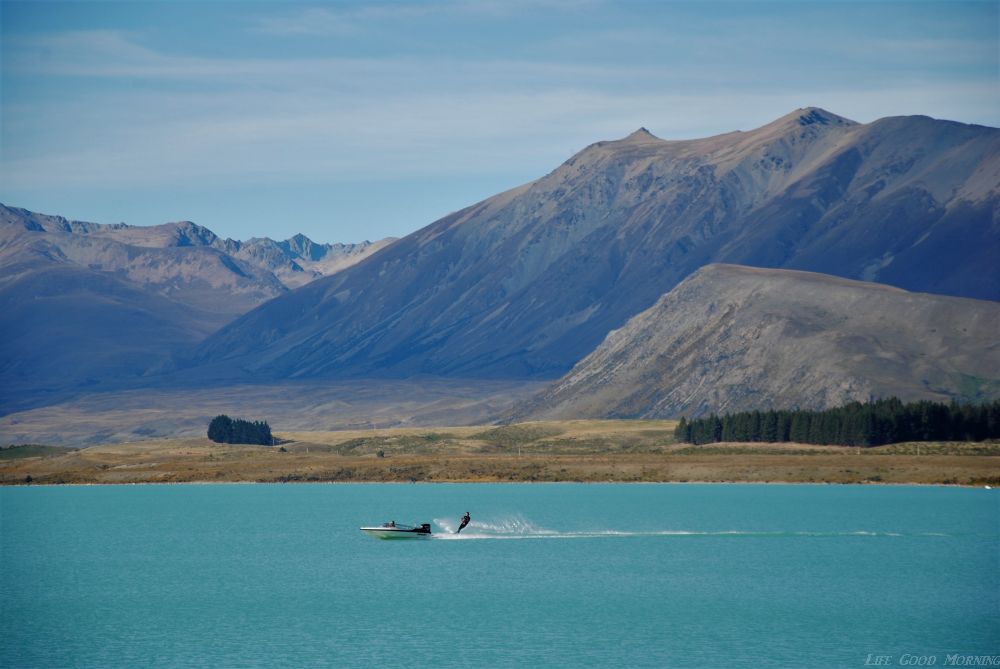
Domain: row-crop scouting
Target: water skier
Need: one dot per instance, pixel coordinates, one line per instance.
(465, 521)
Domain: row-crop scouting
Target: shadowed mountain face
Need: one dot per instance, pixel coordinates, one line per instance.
(526, 283)
(83, 304)
(732, 338)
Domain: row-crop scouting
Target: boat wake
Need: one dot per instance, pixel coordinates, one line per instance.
(514, 527)
(519, 528)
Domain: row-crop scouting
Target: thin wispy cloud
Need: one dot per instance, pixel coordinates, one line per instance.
(107, 54)
(326, 20)
(446, 93)
(308, 21)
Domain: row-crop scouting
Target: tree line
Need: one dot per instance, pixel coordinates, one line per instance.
(226, 430)
(882, 421)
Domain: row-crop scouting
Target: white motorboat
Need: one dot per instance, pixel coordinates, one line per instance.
(391, 530)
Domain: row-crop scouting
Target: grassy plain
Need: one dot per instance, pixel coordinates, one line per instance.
(153, 413)
(590, 451)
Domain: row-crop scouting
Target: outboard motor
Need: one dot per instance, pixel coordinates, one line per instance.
(425, 528)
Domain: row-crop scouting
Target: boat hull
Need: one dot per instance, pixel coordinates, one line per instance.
(394, 533)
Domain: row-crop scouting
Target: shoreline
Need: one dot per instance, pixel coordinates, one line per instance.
(894, 484)
(586, 452)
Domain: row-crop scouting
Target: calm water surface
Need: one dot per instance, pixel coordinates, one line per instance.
(546, 575)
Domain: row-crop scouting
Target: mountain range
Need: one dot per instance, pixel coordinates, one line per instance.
(528, 282)
(84, 304)
(733, 338)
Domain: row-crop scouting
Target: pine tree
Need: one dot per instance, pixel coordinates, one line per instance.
(871, 423)
(225, 430)
(682, 432)
(220, 429)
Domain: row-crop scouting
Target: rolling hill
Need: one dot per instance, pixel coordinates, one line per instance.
(732, 338)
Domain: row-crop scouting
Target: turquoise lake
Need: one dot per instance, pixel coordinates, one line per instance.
(560, 575)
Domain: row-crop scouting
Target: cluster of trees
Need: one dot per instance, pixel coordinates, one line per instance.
(883, 421)
(226, 430)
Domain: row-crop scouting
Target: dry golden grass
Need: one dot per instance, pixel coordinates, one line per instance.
(545, 451)
(154, 413)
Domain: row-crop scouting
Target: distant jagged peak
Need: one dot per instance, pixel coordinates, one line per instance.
(304, 247)
(253, 241)
(299, 239)
(36, 222)
(189, 233)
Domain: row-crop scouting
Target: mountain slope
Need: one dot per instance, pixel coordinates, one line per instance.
(66, 327)
(526, 283)
(732, 338)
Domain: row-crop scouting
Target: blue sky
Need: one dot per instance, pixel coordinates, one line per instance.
(349, 121)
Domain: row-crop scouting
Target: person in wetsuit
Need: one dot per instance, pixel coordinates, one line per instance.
(465, 521)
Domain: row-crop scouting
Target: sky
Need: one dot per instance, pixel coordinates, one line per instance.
(360, 120)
